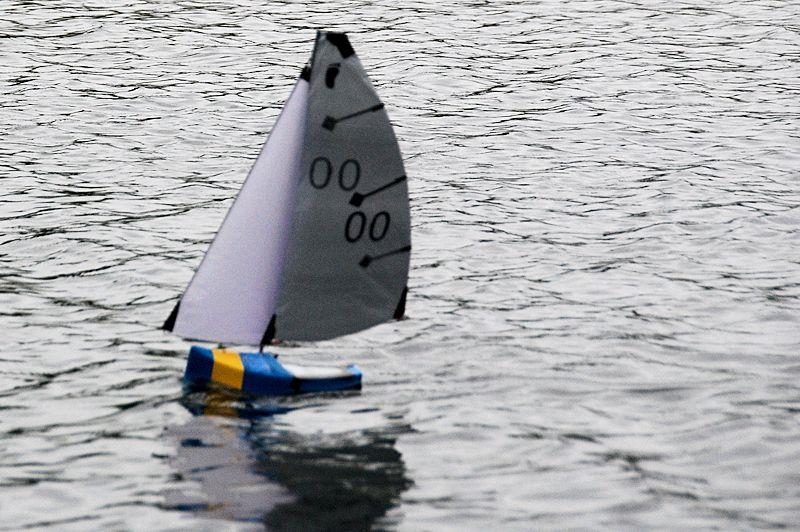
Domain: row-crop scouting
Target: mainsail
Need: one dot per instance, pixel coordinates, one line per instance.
(317, 243)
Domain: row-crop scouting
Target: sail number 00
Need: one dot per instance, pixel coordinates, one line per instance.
(321, 170)
(357, 222)
(349, 175)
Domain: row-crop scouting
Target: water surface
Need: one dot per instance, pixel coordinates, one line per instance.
(605, 287)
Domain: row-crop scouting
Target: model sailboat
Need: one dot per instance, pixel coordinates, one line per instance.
(316, 244)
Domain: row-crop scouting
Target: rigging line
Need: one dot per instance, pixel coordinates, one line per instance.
(367, 259)
(357, 198)
(330, 122)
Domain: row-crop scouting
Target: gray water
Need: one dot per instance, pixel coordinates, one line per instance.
(605, 290)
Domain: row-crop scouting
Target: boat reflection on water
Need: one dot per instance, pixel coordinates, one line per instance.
(235, 460)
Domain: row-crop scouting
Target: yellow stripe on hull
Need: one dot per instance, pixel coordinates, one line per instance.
(228, 368)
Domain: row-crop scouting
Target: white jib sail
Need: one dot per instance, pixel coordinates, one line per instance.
(234, 292)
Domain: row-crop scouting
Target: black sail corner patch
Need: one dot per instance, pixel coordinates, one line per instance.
(340, 41)
(170, 323)
(269, 334)
(306, 73)
(400, 311)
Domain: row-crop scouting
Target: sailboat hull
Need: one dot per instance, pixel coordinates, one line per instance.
(262, 374)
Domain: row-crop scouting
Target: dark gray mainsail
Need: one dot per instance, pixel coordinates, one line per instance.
(348, 253)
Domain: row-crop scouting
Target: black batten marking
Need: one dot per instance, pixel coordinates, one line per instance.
(366, 260)
(340, 41)
(400, 311)
(170, 323)
(330, 75)
(330, 122)
(269, 334)
(357, 198)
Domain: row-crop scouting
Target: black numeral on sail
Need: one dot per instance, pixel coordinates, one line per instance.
(321, 170)
(379, 226)
(357, 223)
(349, 174)
(355, 226)
(320, 173)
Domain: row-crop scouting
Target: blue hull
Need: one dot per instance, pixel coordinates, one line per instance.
(262, 374)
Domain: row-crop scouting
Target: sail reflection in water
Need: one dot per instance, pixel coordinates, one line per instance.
(234, 462)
